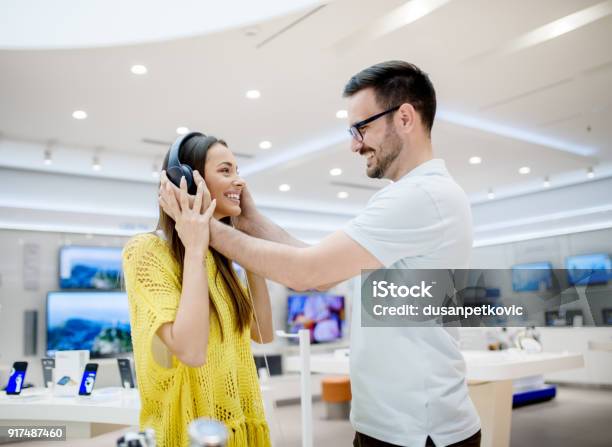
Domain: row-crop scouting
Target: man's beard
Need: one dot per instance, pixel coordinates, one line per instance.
(389, 151)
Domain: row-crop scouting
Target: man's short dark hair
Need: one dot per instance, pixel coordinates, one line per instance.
(397, 82)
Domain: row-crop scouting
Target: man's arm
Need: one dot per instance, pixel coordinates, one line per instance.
(336, 258)
(254, 223)
(296, 265)
(261, 227)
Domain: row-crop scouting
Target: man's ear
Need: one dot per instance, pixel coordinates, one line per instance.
(407, 116)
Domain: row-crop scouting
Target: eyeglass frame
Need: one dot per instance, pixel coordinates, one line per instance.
(354, 130)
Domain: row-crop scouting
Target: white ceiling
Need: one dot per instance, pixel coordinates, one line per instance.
(527, 107)
(101, 23)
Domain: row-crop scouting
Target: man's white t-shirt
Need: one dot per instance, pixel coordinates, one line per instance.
(409, 383)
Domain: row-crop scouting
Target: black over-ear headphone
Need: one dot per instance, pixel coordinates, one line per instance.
(176, 169)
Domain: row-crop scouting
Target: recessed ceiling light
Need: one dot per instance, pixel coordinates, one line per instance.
(546, 183)
(524, 170)
(139, 69)
(182, 130)
(265, 145)
(79, 114)
(590, 173)
(253, 94)
(335, 172)
(342, 195)
(341, 114)
(490, 194)
(475, 160)
(284, 187)
(47, 160)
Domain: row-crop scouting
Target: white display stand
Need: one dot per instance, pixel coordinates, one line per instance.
(303, 366)
(107, 409)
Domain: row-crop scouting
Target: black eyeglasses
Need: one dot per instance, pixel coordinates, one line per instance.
(355, 131)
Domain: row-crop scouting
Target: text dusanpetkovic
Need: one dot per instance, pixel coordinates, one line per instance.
(385, 289)
(483, 310)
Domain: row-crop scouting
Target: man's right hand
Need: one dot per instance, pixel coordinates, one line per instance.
(248, 211)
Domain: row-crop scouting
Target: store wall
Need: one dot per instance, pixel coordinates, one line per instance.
(26, 279)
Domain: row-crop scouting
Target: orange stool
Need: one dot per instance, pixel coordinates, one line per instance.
(336, 393)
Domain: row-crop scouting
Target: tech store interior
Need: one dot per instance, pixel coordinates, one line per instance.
(92, 95)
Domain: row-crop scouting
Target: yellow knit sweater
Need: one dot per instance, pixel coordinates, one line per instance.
(172, 395)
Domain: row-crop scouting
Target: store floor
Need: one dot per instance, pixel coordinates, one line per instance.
(577, 417)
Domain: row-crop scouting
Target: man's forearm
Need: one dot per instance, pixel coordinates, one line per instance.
(261, 227)
(282, 263)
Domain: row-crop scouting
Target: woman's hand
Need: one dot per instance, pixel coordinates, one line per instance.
(165, 182)
(191, 219)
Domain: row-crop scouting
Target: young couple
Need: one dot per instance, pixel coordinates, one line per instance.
(186, 301)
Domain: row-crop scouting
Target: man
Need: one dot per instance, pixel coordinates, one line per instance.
(408, 384)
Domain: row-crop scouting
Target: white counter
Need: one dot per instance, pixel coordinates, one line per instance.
(481, 365)
(489, 375)
(83, 416)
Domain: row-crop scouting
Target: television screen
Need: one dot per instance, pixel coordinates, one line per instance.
(588, 269)
(96, 321)
(90, 267)
(532, 277)
(321, 313)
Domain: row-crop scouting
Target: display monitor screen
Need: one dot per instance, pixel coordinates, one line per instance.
(321, 313)
(589, 269)
(96, 321)
(532, 277)
(90, 267)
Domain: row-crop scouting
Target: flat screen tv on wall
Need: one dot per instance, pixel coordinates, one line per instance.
(90, 267)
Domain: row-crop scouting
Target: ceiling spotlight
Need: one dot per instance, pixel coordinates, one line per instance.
(335, 172)
(253, 94)
(342, 195)
(475, 160)
(590, 172)
(265, 145)
(47, 160)
(546, 183)
(79, 114)
(182, 130)
(139, 69)
(341, 114)
(524, 170)
(490, 194)
(95, 163)
(284, 187)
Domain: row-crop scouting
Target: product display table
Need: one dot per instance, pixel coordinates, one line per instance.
(107, 409)
(489, 375)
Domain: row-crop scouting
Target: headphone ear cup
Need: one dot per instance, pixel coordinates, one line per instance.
(174, 174)
(188, 173)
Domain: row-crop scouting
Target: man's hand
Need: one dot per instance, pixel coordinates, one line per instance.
(248, 211)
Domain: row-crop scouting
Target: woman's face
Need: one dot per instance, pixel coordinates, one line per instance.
(222, 180)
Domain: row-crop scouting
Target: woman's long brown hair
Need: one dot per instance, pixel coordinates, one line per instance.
(193, 153)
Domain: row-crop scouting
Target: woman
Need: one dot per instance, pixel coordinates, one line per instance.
(186, 299)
